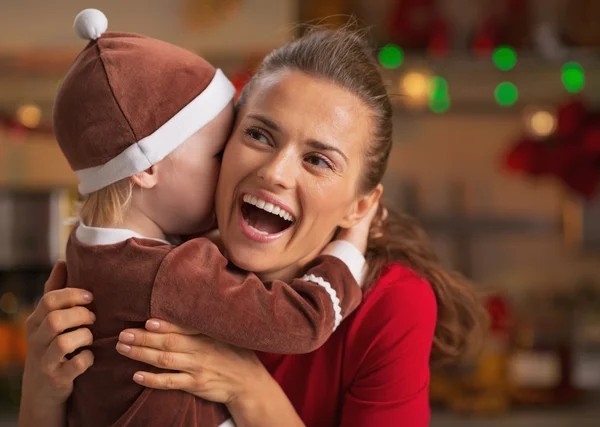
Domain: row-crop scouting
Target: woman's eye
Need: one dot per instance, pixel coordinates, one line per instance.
(257, 136)
(318, 161)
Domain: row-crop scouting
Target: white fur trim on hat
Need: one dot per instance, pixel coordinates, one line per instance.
(90, 24)
(155, 147)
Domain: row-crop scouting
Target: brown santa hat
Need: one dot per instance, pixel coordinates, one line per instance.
(129, 100)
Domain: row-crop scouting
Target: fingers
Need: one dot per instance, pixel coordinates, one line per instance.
(58, 321)
(164, 327)
(58, 277)
(369, 218)
(377, 224)
(374, 209)
(384, 214)
(158, 358)
(176, 381)
(166, 342)
(57, 300)
(71, 369)
(66, 344)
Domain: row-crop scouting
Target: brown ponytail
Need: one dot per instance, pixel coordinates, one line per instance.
(461, 317)
(344, 57)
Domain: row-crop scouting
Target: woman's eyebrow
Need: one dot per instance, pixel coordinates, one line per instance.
(267, 122)
(326, 147)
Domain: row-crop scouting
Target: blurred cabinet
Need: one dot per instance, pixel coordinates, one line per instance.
(34, 164)
(34, 227)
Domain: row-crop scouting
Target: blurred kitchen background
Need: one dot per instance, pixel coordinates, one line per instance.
(497, 153)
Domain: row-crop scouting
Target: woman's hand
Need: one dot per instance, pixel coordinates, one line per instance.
(48, 376)
(206, 368)
(211, 370)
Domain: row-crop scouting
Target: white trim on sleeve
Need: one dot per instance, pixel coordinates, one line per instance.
(337, 309)
(349, 255)
(227, 423)
(155, 147)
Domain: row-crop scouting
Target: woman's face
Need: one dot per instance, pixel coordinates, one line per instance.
(290, 172)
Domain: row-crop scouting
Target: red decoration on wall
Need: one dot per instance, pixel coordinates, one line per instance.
(19, 133)
(412, 23)
(570, 117)
(239, 80)
(499, 314)
(512, 22)
(485, 40)
(572, 154)
(439, 42)
(244, 73)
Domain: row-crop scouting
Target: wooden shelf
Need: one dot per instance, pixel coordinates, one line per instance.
(35, 164)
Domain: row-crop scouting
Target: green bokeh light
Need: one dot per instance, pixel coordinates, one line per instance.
(506, 94)
(391, 56)
(439, 86)
(573, 77)
(505, 58)
(439, 99)
(440, 105)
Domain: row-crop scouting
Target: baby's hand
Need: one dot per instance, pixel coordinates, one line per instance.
(358, 234)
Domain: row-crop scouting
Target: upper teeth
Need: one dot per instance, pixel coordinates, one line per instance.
(269, 207)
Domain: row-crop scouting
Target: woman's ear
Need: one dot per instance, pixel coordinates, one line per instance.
(361, 207)
(146, 179)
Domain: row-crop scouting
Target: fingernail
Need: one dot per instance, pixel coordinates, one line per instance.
(93, 317)
(152, 325)
(138, 378)
(126, 337)
(123, 348)
(87, 296)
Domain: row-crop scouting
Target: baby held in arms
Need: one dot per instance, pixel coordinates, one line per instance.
(143, 123)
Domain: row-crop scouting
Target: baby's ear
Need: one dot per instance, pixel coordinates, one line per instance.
(146, 179)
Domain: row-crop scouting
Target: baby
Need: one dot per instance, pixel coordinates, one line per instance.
(142, 123)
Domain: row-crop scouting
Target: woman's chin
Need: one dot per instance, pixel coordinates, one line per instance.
(246, 261)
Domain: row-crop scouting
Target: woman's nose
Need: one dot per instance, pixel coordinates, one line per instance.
(280, 169)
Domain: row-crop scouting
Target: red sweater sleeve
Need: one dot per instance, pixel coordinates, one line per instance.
(393, 344)
(195, 287)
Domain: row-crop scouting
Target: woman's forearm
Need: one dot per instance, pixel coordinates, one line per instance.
(268, 408)
(33, 413)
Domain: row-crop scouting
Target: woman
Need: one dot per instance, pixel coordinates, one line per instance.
(314, 128)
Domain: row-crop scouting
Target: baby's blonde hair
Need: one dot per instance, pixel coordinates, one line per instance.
(106, 207)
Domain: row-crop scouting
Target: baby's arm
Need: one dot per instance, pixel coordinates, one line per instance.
(194, 287)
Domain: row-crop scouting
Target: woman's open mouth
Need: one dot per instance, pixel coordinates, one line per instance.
(263, 220)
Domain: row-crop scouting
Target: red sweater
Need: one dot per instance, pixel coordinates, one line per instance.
(374, 369)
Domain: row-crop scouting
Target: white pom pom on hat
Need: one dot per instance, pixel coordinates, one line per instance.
(90, 24)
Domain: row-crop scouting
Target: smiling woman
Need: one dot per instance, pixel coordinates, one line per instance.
(301, 152)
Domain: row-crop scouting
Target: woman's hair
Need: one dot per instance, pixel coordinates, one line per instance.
(345, 58)
(105, 207)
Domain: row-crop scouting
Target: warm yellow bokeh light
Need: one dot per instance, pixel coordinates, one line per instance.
(415, 85)
(29, 116)
(542, 123)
